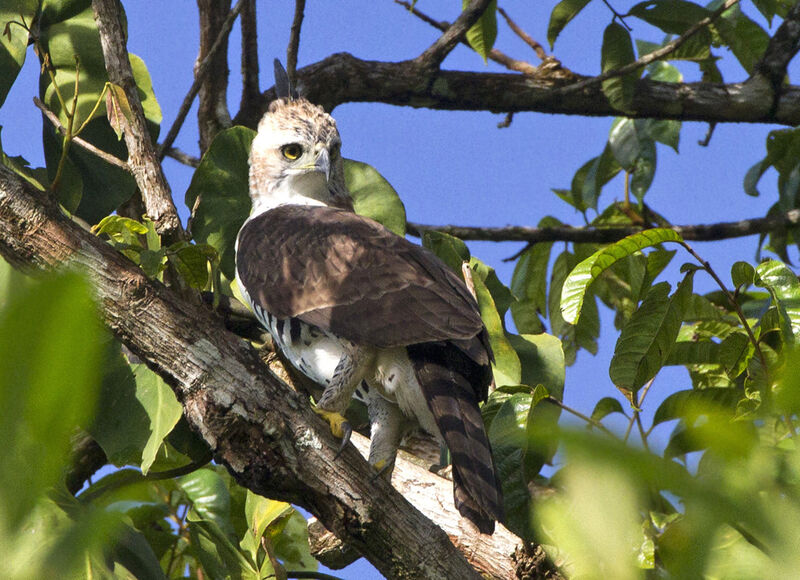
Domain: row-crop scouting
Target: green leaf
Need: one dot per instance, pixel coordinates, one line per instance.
(192, 262)
(664, 131)
(742, 274)
(13, 40)
(209, 498)
(506, 367)
(605, 407)
(588, 181)
(508, 437)
(562, 14)
(49, 373)
(746, 39)
(139, 411)
(290, 542)
(374, 197)
(482, 34)
(693, 353)
(449, 249)
(685, 404)
(578, 281)
(671, 16)
(218, 194)
(529, 285)
(617, 51)
(646, 340)
(217, 554)
(784, 288)
(735, 353)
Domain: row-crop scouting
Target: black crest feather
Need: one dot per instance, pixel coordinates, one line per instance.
(283, 87)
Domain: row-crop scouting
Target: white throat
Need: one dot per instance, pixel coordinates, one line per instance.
(299, 189)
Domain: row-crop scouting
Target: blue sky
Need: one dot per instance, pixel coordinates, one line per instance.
(458, 167)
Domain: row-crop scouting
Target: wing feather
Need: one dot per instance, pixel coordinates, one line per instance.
(353, 277)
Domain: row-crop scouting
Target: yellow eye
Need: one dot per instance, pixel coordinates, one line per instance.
(292, 151)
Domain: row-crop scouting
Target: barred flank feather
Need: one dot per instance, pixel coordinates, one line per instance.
(452, 383)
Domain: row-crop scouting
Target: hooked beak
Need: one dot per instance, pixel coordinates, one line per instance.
(323, 164)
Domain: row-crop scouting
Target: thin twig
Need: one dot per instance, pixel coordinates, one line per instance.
(650, 57)
(199, 76)
(294, 41)
(593, 422)
(183, 157)
(596, 235)
(438, 51)
(107, 157)
(732, 301)
(617, 15)
(494, 55)
(526, 38)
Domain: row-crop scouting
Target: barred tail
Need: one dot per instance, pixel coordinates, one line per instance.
(451, 383)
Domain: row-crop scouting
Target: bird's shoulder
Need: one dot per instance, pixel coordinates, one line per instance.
(351, 275)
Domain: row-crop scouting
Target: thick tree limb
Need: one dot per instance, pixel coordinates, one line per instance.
(142, 155)
(212, 110)
(699, 232)
(493, 555)
(343, 78)
(265, 433)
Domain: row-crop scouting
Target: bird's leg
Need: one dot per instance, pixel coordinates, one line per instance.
(387, 427)
(337, 394)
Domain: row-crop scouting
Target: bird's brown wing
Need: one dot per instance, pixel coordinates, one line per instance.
(353, 277)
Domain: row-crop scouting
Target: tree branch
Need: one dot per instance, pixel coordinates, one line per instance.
(251, 91)
(549, 67)
(143, 158)
(592, 235)
(438, 51)
(200, 74)
(212, 110)
(294, 41)
(266, 434)
(343, 78)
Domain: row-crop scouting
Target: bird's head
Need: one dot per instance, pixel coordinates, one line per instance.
(296, 158)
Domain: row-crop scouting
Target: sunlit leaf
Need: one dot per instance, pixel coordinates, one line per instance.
(374, 197)
(784, 288)
(482, 34)
(449, 249)
(682, 404)
(605, 407)
(576, 284)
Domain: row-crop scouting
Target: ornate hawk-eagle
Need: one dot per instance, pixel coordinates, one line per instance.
(352, 305)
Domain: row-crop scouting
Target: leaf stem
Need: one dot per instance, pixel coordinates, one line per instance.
(578, 414)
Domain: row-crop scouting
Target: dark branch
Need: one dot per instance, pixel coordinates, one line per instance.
(342, 78)
(143, 159)
(699, 233)
(782, 48)
(495, 54)
(294, 42)
(183, 157)
(438, 51)
(251, 91)
(212, 108)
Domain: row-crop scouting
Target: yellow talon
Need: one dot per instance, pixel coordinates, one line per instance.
(335, 420)
(379, 465)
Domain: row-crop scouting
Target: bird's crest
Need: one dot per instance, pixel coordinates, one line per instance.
(283, 88)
